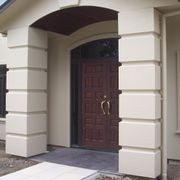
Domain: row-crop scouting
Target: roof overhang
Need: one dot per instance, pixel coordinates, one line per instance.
(14, 13)
(5, 5)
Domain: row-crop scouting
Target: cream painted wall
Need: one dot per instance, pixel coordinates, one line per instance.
(3, 54)
(173, 45)
(140, 102)
(107, 29)
(3, 49)
(27, 84)
(59, 76)
(2, 130)
(58, 91)
(24, 13)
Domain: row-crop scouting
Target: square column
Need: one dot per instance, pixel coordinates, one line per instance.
(26, 100)
(140, 101)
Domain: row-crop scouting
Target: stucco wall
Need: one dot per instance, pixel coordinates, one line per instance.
(139, 29)
(2, 130)
(173, 45)
(24, 13)
(59, 76)
(58, 91)
(3, 49)
(3, 54)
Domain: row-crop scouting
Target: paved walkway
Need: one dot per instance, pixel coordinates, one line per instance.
(67, 164)
(50, 171)
(76, 164)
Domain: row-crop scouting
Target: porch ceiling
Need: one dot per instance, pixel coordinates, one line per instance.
(69, 20)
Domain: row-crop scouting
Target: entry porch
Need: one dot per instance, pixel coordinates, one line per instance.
(122, 108)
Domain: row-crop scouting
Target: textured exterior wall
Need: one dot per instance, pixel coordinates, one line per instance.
(2, 130)
(58, 91)
(26, 100)
(59, 76)
(173, 47)
(140, 104)
(3, 60)
(24, 13)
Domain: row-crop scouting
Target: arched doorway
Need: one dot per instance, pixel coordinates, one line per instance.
(88, 23)
(140, 56)
(94, 95)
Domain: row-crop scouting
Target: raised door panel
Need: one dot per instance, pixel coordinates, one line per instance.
(93, 120)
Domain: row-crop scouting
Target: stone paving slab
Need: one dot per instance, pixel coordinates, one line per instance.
(82, 158)
(50, 171)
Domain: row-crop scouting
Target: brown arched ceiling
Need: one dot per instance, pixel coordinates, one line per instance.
(69, 20)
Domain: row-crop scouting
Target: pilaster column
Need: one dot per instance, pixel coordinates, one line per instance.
(26, 100)
(140, 101)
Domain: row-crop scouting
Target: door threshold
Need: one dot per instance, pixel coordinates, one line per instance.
(92, 149)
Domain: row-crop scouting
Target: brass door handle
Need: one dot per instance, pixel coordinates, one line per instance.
(102, 106)
(109, 107)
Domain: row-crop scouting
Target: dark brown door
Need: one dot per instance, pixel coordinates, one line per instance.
(100, 105)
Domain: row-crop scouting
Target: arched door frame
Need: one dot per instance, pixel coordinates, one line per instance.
(76, 122)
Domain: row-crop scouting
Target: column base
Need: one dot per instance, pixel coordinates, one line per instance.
(144, 163)
(25, 146)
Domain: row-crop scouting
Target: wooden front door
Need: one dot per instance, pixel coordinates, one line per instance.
(100, 104)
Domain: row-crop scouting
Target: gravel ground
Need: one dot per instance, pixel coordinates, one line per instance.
(9, 163)
(108, 176)
(104, 177)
